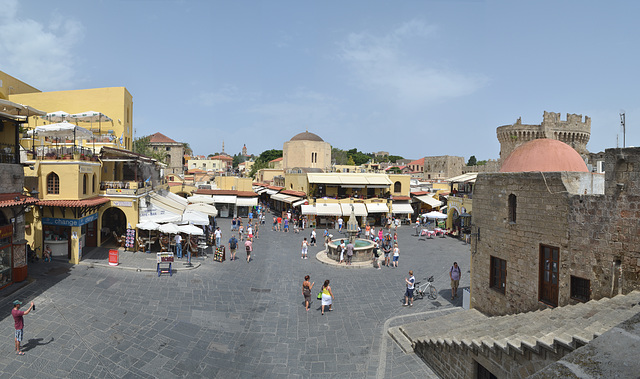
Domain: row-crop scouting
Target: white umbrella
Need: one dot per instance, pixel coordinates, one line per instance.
(92, 116)
(169, 228)
(436, 215)
(148, 225)
(16, 109)
(195, 217)
(191, 230)
(203, 208)
(58, 116)
(61, 130)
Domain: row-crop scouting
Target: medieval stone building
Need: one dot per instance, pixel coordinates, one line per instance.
(575, 132)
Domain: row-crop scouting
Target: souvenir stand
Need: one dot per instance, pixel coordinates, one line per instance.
(219, 254)
(164, 259)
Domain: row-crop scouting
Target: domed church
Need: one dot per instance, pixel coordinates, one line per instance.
(306, 150)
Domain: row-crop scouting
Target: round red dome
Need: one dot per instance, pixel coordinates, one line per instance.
(544, 155)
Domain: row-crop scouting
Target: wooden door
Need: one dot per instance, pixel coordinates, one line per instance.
(549, 272)
(92, 236)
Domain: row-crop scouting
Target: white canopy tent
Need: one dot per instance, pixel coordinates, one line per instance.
(61, 130)
(435, 215)
(58, 116)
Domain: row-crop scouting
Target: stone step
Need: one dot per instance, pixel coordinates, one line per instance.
(401, 339)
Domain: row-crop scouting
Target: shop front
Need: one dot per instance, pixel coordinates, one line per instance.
(6, 254)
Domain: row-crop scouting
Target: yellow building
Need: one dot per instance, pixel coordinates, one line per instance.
(306, 150)
(233, 183)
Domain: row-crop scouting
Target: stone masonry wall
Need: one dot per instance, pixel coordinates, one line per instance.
(541, 218)
(11, 178)
(457, 362)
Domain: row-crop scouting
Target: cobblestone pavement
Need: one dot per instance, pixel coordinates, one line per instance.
(227, 320)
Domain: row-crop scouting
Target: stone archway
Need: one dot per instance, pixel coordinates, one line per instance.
(113, 220)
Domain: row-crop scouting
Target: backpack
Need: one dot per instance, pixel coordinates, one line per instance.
(233, 243)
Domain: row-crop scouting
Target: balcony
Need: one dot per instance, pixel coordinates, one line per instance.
(7, 153)
(124, 188)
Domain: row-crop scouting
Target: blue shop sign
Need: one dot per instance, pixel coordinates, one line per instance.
(69, 221)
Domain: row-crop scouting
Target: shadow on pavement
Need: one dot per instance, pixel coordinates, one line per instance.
(34, 342)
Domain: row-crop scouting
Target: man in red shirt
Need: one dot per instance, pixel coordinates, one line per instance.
(19, 322)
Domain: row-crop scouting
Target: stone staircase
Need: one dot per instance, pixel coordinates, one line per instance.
(564, 328)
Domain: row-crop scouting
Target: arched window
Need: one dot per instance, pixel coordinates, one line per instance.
(84, 184)
(53, 184)
(93, 188)
(512, 208)
(397, 187)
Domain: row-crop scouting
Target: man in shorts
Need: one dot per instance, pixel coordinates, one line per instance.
(233, 245)
(408, 296)
(248, 246)
(19, 323)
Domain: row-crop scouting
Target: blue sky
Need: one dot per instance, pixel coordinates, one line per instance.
(415, 78)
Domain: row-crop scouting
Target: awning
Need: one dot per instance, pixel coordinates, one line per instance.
(378, 180)
(401, 208)
(324, 179)
(246, 201)
(200, 199)
(261, 191)
(285, 198)
(463, 178)
(429, 200)
(353, 180)
(299, 202)
(308, 209)
(328, 209)
(358, 208)
(229, 199)
(377, 208)
(271, 192)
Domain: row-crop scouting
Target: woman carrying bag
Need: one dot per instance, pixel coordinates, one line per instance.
(327, 296)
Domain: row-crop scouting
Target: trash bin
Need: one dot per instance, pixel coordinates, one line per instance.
(466, 298)
(113, 257)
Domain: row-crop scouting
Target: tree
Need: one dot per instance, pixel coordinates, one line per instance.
(394, 158)
(187, 149)
(395, 170)
(350, 161)
(141, 146)
(339, 156)
(472, 161)
(263, 160)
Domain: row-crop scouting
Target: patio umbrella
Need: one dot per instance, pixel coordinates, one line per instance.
(169, 228)
(148, 225)
(58, 116)
(91, 116)
(203, 208)
(191, 230)
(62, 130)
(196, 218)
(436, 215)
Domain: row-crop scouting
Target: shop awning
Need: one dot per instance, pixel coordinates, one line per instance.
(378, 180)
(401, 208)
(203, 208)
(246, 201)
(261, 191)
(299, 202)
(324, 179)
(308, 209)
(271, 192)
(228, 199)
(358, 208)
(377, 208)
(200, 199)
(285, 198)
(328, 209)
(429, 200)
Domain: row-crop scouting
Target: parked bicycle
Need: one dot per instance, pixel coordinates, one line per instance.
(427, 288)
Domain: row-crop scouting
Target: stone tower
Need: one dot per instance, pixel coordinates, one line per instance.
(244, 149)
(575, 132)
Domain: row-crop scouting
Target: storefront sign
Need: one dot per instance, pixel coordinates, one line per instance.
(86, 170)
(68, 221)
(122, 203)
(113, 191)
(6, 231)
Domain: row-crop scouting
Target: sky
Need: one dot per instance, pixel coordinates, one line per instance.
(414, 78)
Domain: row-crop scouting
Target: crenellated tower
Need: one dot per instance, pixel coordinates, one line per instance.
(575, 131)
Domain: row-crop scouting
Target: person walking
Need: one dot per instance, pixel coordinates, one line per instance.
(313, 238)
(305, 248)
(19, 323)
(178, 241)
(233, 225)
(286, 225)
(279, 224)
(380, 234)
(454, 274)
(248, 246)
(306, 291)
(340, 221)
(349, 249)
(341, 247)
(327, 296)
(408, 296)
(396, 255)
(233, 246)
(275, 224)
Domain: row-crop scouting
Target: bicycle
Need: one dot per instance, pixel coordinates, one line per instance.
(428, 288)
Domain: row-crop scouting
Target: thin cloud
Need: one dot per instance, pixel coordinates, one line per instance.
(41, 55)
(380, 64)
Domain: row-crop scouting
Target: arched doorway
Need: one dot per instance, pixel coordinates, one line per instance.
(113, 221)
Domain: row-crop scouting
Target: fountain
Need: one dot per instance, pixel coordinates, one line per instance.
(363, 249)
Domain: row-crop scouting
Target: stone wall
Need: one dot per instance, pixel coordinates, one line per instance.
(442, 167)
(458, 362)
(597, 234)
(541, 218)
(11, 178)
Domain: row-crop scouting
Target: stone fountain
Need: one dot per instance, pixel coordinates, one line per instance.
(363, 249)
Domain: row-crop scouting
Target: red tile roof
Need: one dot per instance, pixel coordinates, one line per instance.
(226, 192)
(401, 198)
(9, 199)
(221, 157)
(276, 160)
(160, 138)
(75, 203)
(275, 188)
(419, 193)
(294, 193)
(419, 162)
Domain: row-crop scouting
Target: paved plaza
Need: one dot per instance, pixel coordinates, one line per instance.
(226, 320)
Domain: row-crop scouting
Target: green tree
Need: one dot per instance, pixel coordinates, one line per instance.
(481, 163)
(395, 170)
(472, 161)
(187, 149)
(263, 160)
(394, 158)
(141, 146)
(339, 156)
(350, 161)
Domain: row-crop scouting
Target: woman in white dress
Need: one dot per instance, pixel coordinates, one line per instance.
(327, 296)
(342, 247)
